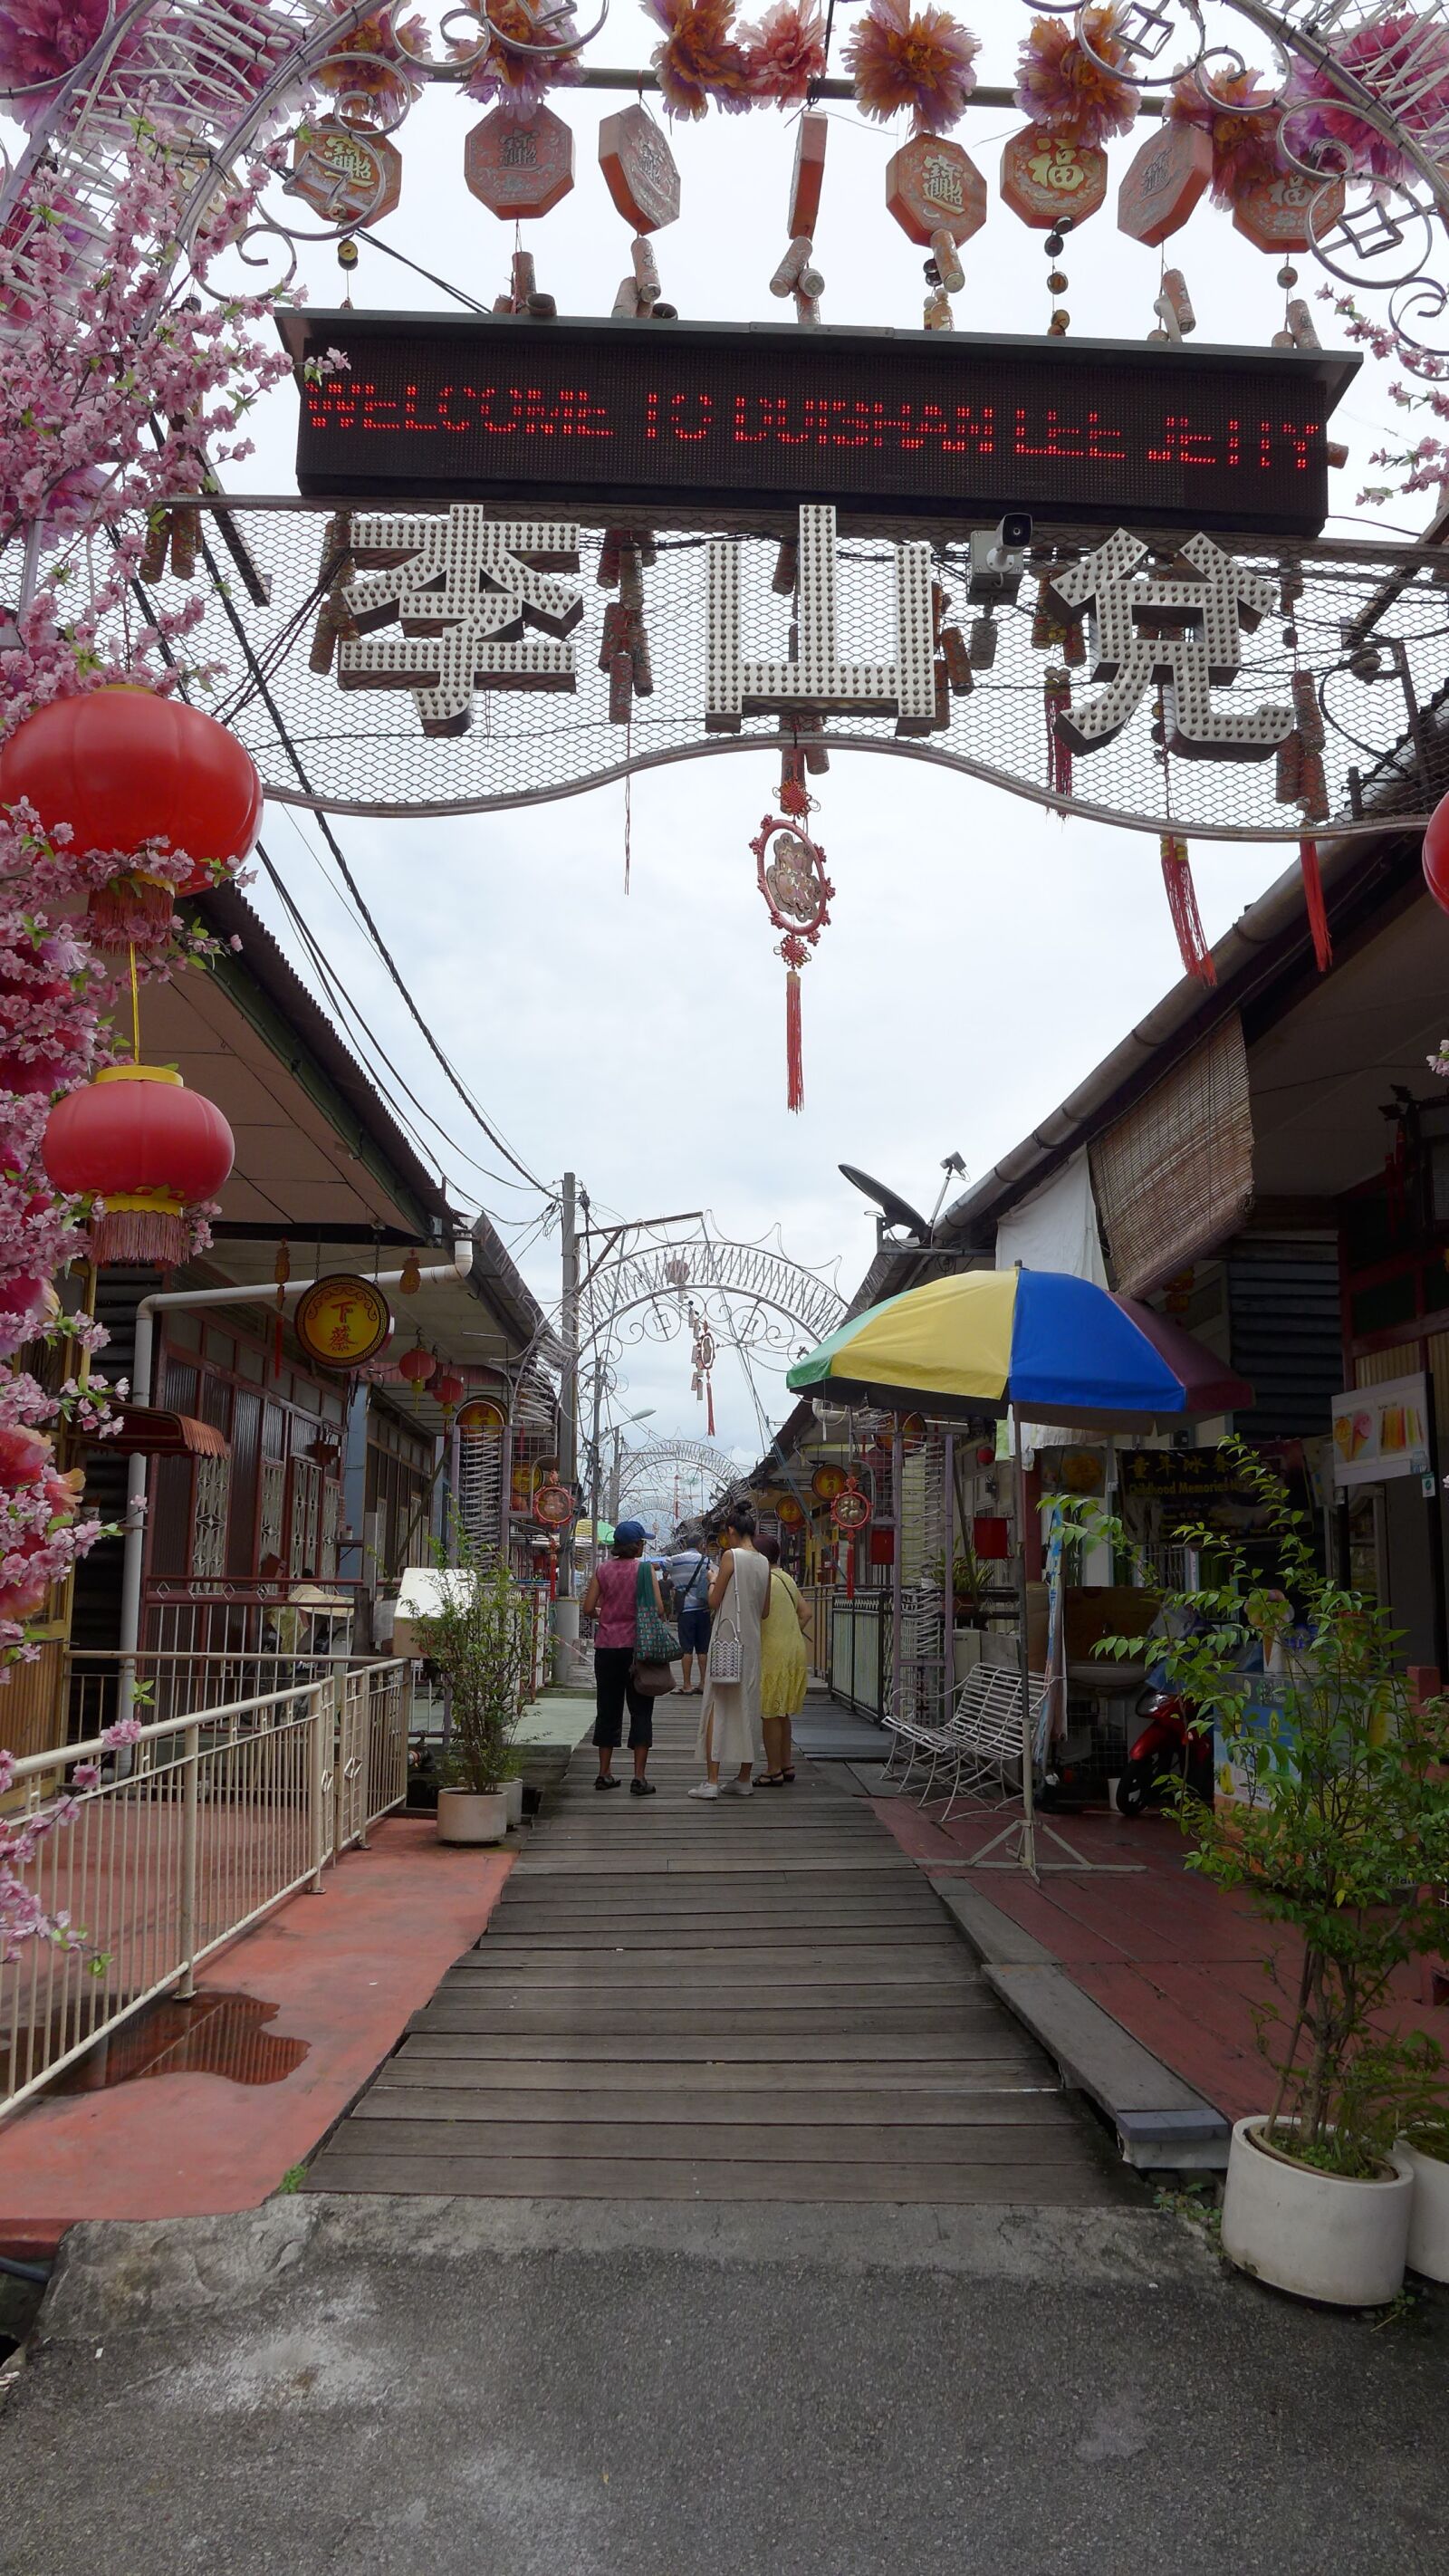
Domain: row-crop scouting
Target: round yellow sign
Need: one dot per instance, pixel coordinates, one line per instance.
(481, 1416)
(342, 1320)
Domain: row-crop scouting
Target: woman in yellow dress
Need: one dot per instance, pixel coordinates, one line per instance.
(784, 1671)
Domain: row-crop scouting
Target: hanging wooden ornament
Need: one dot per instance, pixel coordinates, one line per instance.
(639, 169)
(790, 873)
(519, 169)
(1286, 212)
(1164, 184)
(808, 177)
(1045, 176)
(933, 186)
(346, 172)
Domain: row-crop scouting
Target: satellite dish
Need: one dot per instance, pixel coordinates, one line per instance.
(895, 1210)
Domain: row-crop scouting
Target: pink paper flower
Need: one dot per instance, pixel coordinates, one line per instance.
(1242, 121)
(923, 60)
(1402, 61)
(785, 52)
(1065, 91)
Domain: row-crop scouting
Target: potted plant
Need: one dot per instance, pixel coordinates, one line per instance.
(478, 1639)
(1424, 2143)
(1339, 1834)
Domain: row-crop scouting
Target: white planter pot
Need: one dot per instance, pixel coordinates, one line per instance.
(472, 1815)
(1316, 2234)
(1429, 2216)
(513, 1792)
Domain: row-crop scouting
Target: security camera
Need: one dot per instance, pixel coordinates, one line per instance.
(998, 560)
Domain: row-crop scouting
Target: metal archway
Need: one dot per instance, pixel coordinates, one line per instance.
(642, 1292)
(640, 1465)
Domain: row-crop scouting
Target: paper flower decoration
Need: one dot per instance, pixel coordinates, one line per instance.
(1065, 91)
(701, 57)
(785, 52)
(386, 74)
(40, 41)
(922, 59)
(1242, 121)
(520, 82)
(1402, 60)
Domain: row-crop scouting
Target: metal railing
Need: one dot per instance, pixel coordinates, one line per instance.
(860, 1651)
(210, 1819)
(818, 1599)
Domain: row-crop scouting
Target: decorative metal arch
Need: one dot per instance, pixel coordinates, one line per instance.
(664, 1455)
(643, 1292)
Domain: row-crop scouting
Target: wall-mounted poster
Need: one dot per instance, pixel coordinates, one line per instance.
(1379, 1432)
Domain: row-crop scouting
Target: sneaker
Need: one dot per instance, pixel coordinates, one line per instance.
(706, 1789)
(740, 1788)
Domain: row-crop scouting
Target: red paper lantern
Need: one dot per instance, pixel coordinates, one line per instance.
(449, 1389)
(417, 1365)
(148, 1149)
(1436, 854)
(123, 767)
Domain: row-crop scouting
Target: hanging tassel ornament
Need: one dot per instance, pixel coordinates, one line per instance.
(1191, 943)
(790, 873)
(1057, 699)
(1316, 908)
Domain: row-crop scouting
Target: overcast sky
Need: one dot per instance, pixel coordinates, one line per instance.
(981, 957)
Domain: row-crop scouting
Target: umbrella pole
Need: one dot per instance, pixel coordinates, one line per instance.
(1023, 1659)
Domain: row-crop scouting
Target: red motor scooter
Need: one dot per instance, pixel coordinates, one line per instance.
(1167, 1747)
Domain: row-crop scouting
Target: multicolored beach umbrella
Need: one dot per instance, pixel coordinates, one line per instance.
(1059, 1349)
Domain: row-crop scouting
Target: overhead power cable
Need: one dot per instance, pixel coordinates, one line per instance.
(373, 932)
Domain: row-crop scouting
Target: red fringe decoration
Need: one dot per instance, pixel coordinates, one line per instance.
(709, 1400)
(1191, 944)
(1057, 698)
(1317, 910)
(145, 1238)
(130, 912)
(794, 1044)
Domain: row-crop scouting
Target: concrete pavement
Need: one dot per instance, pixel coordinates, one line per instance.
(574, 2389)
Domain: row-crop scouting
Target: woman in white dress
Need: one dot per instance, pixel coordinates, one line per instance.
(731, 1738)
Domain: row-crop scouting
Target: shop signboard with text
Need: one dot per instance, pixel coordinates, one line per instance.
(1380, 1432)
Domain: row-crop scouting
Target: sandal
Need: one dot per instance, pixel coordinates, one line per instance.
(787, 1779)
(771, 1780)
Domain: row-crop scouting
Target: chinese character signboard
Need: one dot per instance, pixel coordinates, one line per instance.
(342, 1321)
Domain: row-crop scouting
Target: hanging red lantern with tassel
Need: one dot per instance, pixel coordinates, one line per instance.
(149, 1151)
(448, 1390)
(790, 873)
(125, 768)
(417, 1365)
(1436, 854)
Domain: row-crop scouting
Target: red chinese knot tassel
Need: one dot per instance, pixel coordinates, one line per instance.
(1316, 907)
(794, 1041)
(1057, 699)
(1186, 921)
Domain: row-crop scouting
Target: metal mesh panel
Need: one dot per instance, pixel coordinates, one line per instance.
(364, 750)
(480, 1489)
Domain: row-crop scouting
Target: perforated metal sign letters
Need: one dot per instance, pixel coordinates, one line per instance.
(1181, 629)
(462, 590)
(687, 419)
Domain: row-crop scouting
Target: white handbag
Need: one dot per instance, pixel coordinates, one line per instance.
(726, 1648)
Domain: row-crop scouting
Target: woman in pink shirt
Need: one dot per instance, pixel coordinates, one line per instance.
(613, 1593)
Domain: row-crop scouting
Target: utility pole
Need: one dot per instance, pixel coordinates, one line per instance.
(566, 1608)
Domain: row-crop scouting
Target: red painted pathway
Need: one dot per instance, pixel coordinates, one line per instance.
(345, 1970)
(1179, 1963)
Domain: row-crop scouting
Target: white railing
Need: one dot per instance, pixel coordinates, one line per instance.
(208, 1821)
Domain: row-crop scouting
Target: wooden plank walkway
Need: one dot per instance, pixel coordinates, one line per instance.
(757, 1999)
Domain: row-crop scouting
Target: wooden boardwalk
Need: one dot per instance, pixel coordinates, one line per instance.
(751, 2000)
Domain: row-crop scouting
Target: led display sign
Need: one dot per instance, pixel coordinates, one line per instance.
(693, 419)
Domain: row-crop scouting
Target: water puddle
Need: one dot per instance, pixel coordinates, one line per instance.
(215, 2034)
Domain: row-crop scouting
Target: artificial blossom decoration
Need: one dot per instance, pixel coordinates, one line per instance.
(1067, 92)
(785, 52)
(526, 52)
(1402, 61)
(40, 42)
(702, 58)
(1242, 122)
(922, 59)
(377, 62)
